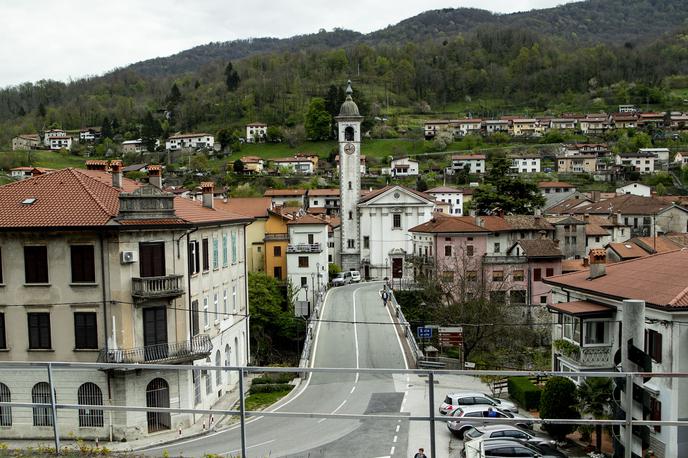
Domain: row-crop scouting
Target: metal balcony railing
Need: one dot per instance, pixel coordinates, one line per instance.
(197, 348)
(157, 287)
(276, 236)
(497, 259)
(304, 248)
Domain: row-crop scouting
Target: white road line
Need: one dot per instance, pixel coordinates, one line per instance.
(355, 332)
(340, 406)
(397, 430)
(395, 439)
(352, 390)
(391, 452)
(252, 446)
(396, 332)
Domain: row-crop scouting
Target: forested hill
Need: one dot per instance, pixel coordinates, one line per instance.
(615, 22)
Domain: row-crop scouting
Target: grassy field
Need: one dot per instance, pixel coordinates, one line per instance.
(48, 159)
(260, 400)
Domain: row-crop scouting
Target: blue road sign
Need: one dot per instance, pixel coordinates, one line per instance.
(424, 333)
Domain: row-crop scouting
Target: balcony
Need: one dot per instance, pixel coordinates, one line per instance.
(304, 248)
(585, 357)
(276, 237)
(497, 259)
(177, 352)
(166, 287)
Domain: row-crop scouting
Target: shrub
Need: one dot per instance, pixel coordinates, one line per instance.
(524, 392)
(559, 400)
(284, 377)
(270, 388)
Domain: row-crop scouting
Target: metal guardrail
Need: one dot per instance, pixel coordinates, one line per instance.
(52, 407)
(310, 329)
(198, 347)
(408, 332)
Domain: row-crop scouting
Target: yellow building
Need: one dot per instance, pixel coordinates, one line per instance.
(257, 208)
(276, 241)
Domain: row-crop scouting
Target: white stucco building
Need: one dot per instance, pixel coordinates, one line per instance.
(190, 141)
(475, 163)
(307, 260)
(256, 132)
(402, 167)
(637, 189)
(452, 196)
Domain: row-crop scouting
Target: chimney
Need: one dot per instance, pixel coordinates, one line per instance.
(96, 164)
(479, 221)
(619, 219)
(598, 260)
(36, 172)
(586, 217)
(538, 212)
(116, 170)
(207, 187)
(155, 175)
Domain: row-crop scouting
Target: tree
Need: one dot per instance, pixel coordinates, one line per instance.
(106, 129)
(274, 134)
(225, 137)
(559, 400)
(274, 328)
(238, 166)
(421, 184)
(174, 97)
(232, 79)
(502, 192)
(318, 120)
(594, 395)
(150, 131)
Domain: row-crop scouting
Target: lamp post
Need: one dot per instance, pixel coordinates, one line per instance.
(305, 287)
(312, 293)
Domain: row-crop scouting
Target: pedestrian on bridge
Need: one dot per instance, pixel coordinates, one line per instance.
(420, 454)
(384, 294)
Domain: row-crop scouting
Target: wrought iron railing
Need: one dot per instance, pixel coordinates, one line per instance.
(156, 287)
(188, 350)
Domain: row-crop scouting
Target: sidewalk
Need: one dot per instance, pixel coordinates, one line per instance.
(202, 426)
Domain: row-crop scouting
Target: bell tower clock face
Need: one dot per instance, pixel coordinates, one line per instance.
(349, 148)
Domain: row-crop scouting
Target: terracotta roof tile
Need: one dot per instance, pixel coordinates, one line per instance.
(593, 230)
(284, 192)
(539, 248)
(255, 207)
(528, 222)
(627, 204)
(579, 308)
(444, 224)
(307, 219)
(324, 192)
(660, 280)
(627, 250)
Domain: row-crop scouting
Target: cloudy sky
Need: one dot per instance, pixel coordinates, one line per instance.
(73, 38)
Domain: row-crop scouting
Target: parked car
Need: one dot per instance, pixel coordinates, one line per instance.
(502, 448)
(342, 278)
(507, 432)
(355, 276)
(469, 398)
(467, 416)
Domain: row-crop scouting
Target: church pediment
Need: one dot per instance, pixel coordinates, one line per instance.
(396, 197)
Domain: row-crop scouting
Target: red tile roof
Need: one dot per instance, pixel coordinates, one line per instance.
(578, 308)
(627, 250)
(627, 204)
(444, 224)
(661, 280)
(539, 248)
(284, 192)
(324, 192)
(255, 207)
(371, 195)
(307, 219)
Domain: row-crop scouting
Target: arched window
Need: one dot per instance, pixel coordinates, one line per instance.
(218, 374)
(197, 386)
(236, 352)
(158, 395)
(5, 411)
(350, 185)
(90, 394)
(40, 394)
(208, 378)
(349, 134)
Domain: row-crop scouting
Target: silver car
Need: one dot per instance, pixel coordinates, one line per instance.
(469, 398)
(506, 432)
(466, 417)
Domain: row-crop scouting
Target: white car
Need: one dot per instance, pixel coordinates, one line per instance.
(355, 276)
(342, 278)
(470, 398)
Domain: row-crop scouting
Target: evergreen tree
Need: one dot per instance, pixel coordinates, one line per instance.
(238, 166)
(232, 79)
(318, 120)
(559, 400)
(502, 192)
(106, 129)
(174, 97)
(150, 131)
(225, 138)
(41, 110)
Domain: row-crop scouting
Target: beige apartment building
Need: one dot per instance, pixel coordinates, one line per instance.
(98, 268)
(582, 163)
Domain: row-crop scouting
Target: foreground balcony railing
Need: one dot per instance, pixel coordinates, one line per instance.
(197, 348)
(157, 287)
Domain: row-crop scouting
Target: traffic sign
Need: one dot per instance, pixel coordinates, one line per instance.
(451, 336)
(424, 333)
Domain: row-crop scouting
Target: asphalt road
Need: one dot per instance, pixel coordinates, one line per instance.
(337, 345)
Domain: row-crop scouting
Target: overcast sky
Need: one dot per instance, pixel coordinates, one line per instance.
(49, 39)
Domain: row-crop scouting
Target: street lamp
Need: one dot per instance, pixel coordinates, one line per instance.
(312, 293)
(305, 287)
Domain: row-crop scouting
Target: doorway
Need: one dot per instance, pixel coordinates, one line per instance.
(155, 333)
(397, 267)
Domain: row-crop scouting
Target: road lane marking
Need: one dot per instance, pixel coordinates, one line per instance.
(352, 390)
(251, 446)
(340, 406)
(391, 452)
(396, 332)
(355, 332)
(395, 439)
(397, 430)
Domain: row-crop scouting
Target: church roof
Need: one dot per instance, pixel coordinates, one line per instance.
(373, 194)
(349, 107)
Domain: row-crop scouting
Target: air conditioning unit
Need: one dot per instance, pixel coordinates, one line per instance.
(127, 257)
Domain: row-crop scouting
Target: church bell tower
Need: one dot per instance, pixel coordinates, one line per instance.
(349, 135)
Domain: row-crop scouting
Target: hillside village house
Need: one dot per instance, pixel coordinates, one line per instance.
(562, 124)
(133, 146)
(52, 133)
(582, 163)
(252, 164)
(475, 163)
(592, 323)
(554, 187)
(402, 167)
(624, 120)
(307, 260)
(57, 143)
(23, 173)
(681, 158)
(304, 164)
(594, 124)
(525, 163)
(190, 141)
(431, 128)
(637, 189)
(643, 162)
(287, 197)
(525, 128)
(26, 142)
(122, 273)
(468, 126)
(492, 126)
(256, 132)
(452, 196)
(324, 201)
(89, 134)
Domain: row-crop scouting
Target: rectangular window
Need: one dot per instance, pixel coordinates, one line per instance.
(518, 275)
(311, 239)
(225, 260)
(206, 318)
(195, 318)
(497, 247)
(447, 250)
(234, 299)
(194, 257)
(234, 248)
(85, 330)
(498, 297)
(396, 221)
(225, 303)
(277, 272)
(277, 251)
(593, 332)
(3, 338)
(216, 253)
(83, 264)
(366, 241)
(471, 275)
(303, 261)
(216, 305)
(206, 255)
(469, 250)
(653, 345)
(543, 299)
(517, 297)
(549, 272)
(656, 413)
(304, 282)
(351, 243)
(36, 264)
(537, 274)
(39, 331)
(498, 275)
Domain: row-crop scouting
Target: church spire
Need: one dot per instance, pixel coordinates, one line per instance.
(349, 107)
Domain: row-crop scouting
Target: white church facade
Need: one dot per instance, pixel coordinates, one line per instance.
(375, 237)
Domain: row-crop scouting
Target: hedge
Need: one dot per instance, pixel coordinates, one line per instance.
(524, 392)
(270, 388)
(283, 377)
